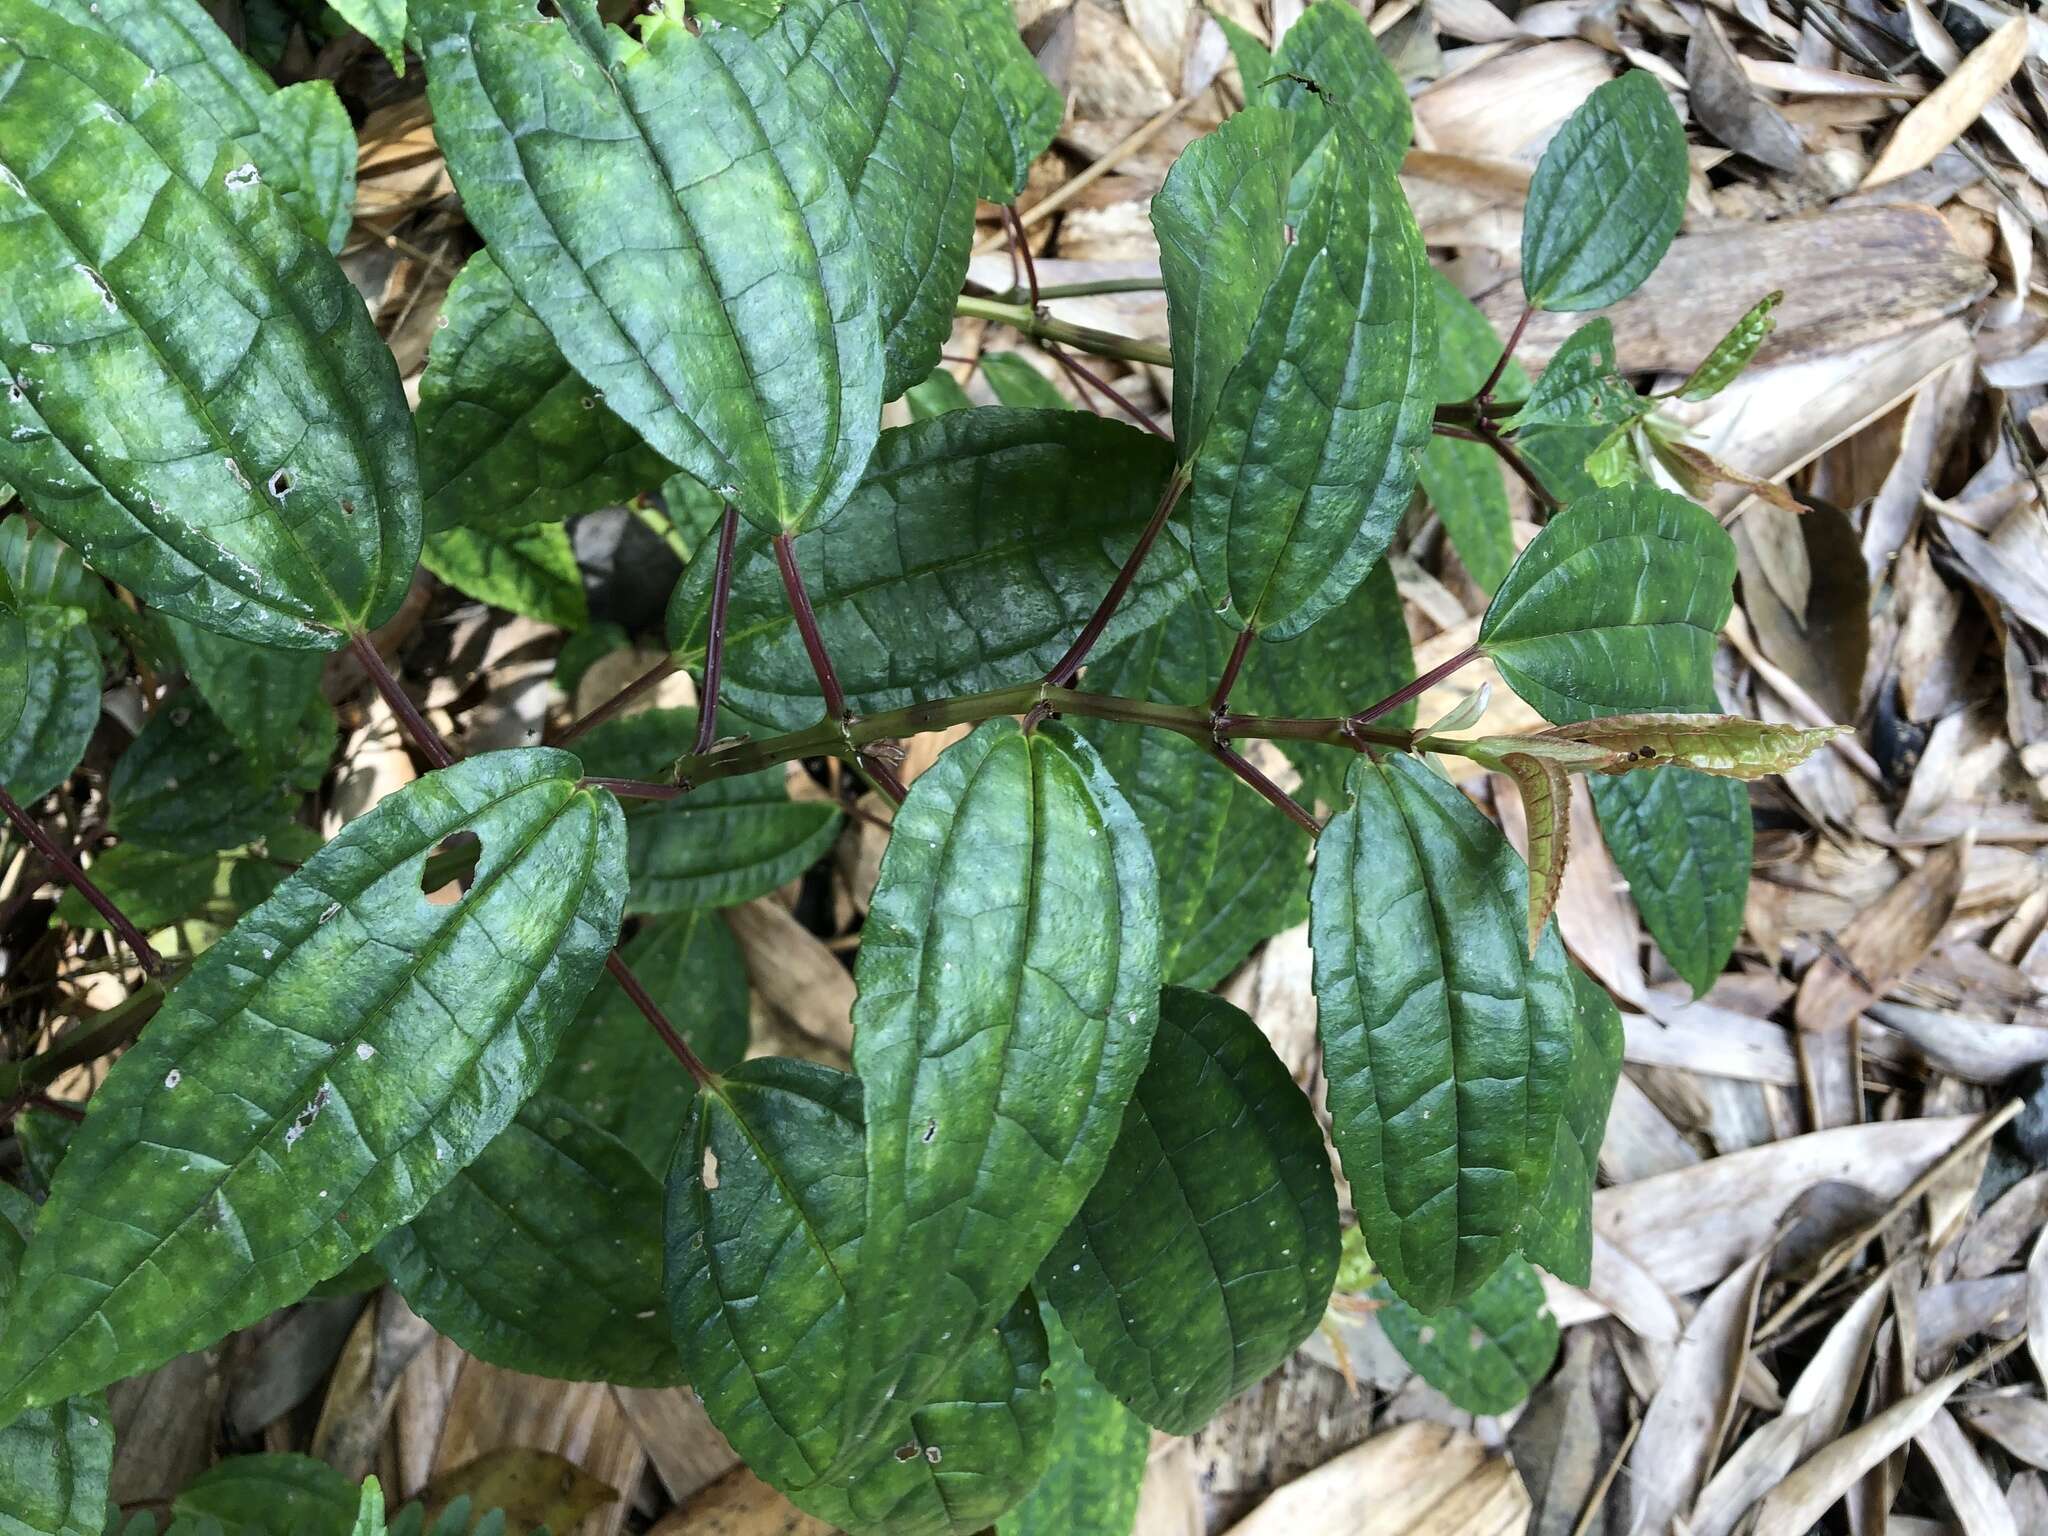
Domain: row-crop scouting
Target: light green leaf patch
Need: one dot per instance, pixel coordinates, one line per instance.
(529, 571)
(1485, 1354)
(383, 22)
(1581, 387)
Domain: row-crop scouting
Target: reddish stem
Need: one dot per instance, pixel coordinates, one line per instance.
(1069, 665)
(651, 1011)
(423, 735)
(884, 776)
(1020, 246)
(1418, 688)
(1221, 697)
(75, 876)
(637, 789)
(714, 647)
(616, 702)
(1514, 340)
(1245, 770)
(1086, 380)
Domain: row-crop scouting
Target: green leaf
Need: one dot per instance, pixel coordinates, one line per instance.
(510, 435)
(14, 668)
(731, 319)
(370, 1513)
(939, 393)
(1009, 987)
(1582, 387)
(1220, 217)
(881, 82)
(979, 543)
(616, 1071)
(1485, 1354)
(199, 404)
(258, 1495)
(153, 887)
(300, 137)
(1562, 458)
(1311, 455)
(530, 571)
(60, 702)
(306, 1089)
(1447, 1046)
(1683, 843)
(1614, 607)
(1255, 65)
(1353, 84)
(1607, 197)
(544, 1255)
(1206, 1251)
(1098, 1457)
(1016, 383)
(383, 22)
(1733, 351)
(1726, 746)
(1264, 892)
(765, 1214)
(1557, 1232)
(185, 786)
(1021, 109)
(724, 842)
(259, 695)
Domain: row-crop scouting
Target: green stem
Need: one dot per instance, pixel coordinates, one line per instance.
(1081, 338)
(1086, 290)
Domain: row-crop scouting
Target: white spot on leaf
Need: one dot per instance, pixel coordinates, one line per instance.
(243, 175)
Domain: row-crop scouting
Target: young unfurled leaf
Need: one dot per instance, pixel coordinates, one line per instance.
(1547, 804)
(731, 320)
(1614, 607)
(1557, 1229)
(1485, 1353)
(724, 842)
(921, 584)
(1009, 988)
(882, 83)
(1683, 842)
(1098, 1456)
(544, 1254)
(1206, 1251)
(1732, 352)
(309, 1086)
(1332, 75)
(383, 22)
(1021, 110)
(1606, 198)
(1448, 1048)
(1581, 387)
(510, 435)
(200, 405)
(300, 137)
(1699, 471)
(261, 696)
(766, 1205)
(1726, 746)
(1311, 454)
(529, 571)
(1220, 217)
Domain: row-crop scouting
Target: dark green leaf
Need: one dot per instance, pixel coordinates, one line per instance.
(731, 319)
(153, 887)
(614, 1069)
(530, 571)
(1557, 1233)
(544, 1255)
(1015, 382)
(1009, 987)
(1447, 1046)
(1606, 198)
(1485, 1354)
(307, 1089)
(1098, 1457)
(267, 1495)
(723, 843)
(186, 787)
(979, 543)
(1221, 221)
(383, 22)
(60, 702)
(1206, 1251)
(1311, 455)
(1353, 85)
(882, 82)
(938, 394)
(1683, 842)
(54, 1461)
(1255, 65)
(200, 404)
(1733, 351)
(1463, 480)
(1021, 110)
(300, 138)
(510, 436)
(1581, 387)
(1263, 891)
(1559, 456)
(14, 667)
(260, 695)
(1614, 607)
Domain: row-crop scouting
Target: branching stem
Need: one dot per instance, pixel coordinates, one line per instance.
(714, 646)
(75, 876)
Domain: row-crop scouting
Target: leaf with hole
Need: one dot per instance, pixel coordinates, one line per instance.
(309, 1086)
(1614, 607)
(1206, 1251)
(199, 403)
(528, 571)
(544, 1254)
(1606, 198)
(732, 320)
(1486, 1353)
(1009, 987)
(978, 544)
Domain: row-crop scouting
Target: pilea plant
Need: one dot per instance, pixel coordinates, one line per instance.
(1065, 1191)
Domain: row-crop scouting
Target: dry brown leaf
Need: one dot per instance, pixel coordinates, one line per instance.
(533, 1487)
(2005, 1226)
(794, 972)
(1729, 107)
(2017, 1424)
(739, 1504)
(1418, 1480)
(1973, 1493)
(2037, 1304)
(1170, 1498)
(686, 1448)
(577, 1425)
(1951, 107)
(1934, 41)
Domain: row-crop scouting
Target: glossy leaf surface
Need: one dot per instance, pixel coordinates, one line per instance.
(529, 571)
(976, 547)
(544, 1254)
(1581, 387)
(260, 696)
(199, 403)
(1206, 1251)
(1335, 77)
(1614, 607)
(1098, 1456)
(1486, 1353)
(1009, 988)
(307, 1088)
(731, 321)
(1463, 480)
(1683, 842)
(1557, 1232)
(1606, 198)
(1022, 109)
(54, 1461)
(56, 700)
